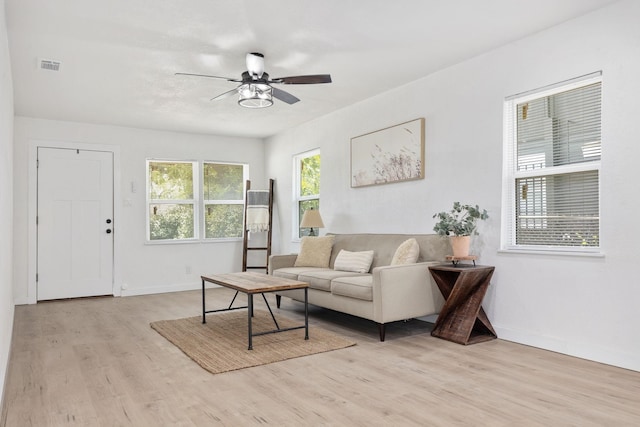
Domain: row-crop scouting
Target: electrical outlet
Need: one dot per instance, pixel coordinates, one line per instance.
(187, 269)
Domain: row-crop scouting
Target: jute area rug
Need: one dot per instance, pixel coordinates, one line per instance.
(220, 345)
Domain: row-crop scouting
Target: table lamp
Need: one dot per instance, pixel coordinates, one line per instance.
(311, 219)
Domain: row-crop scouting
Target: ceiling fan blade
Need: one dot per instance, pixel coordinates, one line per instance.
(225, 95)
(303, 80)
(212, 77)
(284, 96)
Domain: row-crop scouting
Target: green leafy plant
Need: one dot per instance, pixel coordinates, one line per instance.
(460, 221)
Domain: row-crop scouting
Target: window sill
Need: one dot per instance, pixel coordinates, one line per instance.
(191, 241)
(552, 252)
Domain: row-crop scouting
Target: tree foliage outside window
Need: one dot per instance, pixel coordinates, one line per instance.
(223, 181)
(310, 175)
(170, 222)
(171, 180)
(172, 205)
(223, 197)
(175, 203)
(308, 186)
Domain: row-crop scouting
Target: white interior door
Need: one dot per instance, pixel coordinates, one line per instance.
(75, 223)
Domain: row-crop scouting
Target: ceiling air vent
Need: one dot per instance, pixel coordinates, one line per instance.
(49, 64)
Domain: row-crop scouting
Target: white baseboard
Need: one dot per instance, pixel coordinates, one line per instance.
(179, 287)
(431, 319)
(5, 369)
(590, 351)
(139, 291)
(21, 301)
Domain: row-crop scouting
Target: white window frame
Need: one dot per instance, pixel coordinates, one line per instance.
(198, 201)
(245, 177)
(194, 201)
(511, 174)
(297, 160)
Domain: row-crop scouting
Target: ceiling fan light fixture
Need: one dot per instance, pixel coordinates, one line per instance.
(257, 95)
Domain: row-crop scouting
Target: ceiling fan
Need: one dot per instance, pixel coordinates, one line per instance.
(256, 90)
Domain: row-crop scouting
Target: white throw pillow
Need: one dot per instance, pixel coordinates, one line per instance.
(407, 253)
(314, 252)
(358, 262)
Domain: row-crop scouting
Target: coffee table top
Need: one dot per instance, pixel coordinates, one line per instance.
(254, 283)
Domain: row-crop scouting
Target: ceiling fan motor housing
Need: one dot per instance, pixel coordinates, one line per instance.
(247, 77)
(255, 64)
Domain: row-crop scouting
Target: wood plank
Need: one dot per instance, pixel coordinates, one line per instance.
(96, 362)
(254, 283)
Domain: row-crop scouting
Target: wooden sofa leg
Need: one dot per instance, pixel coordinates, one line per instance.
(381, 330)
(278, 299)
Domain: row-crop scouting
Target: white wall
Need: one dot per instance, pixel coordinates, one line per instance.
(142, 267)
(579, 306)
(6, 201)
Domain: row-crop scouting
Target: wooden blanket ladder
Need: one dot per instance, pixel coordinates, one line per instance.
(245, 246)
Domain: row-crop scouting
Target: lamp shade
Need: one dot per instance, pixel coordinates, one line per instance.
(311, 219)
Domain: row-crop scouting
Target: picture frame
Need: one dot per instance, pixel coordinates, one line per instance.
(388, 155)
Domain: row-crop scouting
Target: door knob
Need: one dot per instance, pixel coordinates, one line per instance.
(108, 231)
(108, 221)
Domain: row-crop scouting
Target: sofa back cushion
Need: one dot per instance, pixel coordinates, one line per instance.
(407, 252)
(432, 246)
(314, 252)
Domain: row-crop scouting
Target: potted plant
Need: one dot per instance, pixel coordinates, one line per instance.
(459, 224)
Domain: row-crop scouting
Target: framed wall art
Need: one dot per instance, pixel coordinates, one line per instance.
(393, 154)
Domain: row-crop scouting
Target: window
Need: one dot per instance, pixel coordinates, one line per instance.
(223, 186)
(552, 168)
(172, 202)
(188, 199)
(307, 187)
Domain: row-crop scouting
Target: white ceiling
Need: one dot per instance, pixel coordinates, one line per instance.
(119, 56)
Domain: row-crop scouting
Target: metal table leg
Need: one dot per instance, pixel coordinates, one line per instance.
(306, 314)
(250, 311)
(204, 318)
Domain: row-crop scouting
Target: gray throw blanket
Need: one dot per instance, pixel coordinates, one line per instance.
(257, 210)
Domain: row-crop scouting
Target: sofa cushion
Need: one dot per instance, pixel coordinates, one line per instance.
(432, 246)
(359, 287)
(293, 272)
(407, 252)
(321, 278)
(358, 262)
(314, 252)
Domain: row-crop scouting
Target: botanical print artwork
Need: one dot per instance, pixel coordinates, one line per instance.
(389, 155)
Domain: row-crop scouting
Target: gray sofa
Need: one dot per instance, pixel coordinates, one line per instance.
(384, 294)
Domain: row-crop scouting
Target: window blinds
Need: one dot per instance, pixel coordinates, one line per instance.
(553, 147)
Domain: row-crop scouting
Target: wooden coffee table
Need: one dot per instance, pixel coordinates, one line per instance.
(256, 283)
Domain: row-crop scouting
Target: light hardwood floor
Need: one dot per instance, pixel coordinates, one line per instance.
(96, 362)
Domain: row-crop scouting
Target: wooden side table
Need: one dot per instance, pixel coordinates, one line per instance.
(462, 319)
